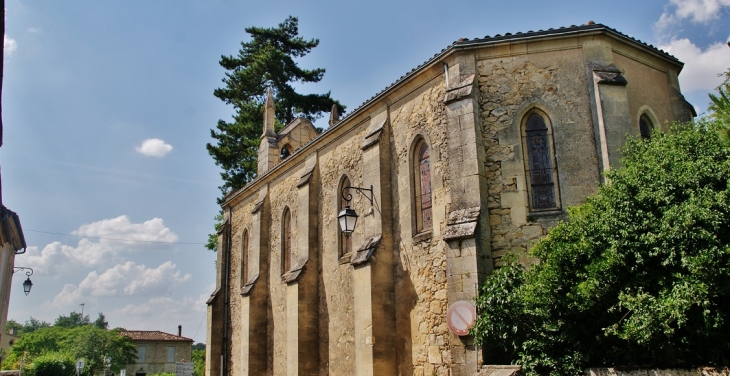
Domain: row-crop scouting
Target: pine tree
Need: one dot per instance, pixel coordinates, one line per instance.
(266, 61)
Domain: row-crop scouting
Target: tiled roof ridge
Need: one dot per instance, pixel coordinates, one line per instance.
(153, 335)
(462, 42)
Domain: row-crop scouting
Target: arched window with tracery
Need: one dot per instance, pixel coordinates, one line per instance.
(540, 170)
(422, 184)
(286, 241)
(345, 244)
(244, 258)
(645, 126)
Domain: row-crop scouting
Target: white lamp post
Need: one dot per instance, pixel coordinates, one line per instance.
(27, 284)
(348, 216)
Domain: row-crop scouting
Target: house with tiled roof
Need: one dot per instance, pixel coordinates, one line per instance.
(476, 152)
(157, 351)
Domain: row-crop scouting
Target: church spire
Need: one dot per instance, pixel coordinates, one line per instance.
(334, 115)
(269, 114)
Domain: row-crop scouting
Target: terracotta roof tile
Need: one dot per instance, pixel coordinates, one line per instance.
(153, 335)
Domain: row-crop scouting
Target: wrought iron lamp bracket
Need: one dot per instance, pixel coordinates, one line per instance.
(19, 268)
(347, 196)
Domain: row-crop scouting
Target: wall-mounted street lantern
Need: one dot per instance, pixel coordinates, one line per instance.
(348, 216)
(27, 284)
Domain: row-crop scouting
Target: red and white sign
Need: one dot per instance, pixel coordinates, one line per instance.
(460, 317)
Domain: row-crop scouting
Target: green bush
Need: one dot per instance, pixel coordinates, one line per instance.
(52, 364)
(639, 275)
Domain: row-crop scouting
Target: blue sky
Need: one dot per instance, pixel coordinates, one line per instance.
(107, 107)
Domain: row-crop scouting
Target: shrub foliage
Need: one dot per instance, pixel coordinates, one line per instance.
(638, 275)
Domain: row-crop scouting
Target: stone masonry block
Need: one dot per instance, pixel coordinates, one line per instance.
(512, 199)
(453, 282)
(518, 215)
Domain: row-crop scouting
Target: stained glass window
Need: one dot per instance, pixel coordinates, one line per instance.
(540, 172)
(424, 185)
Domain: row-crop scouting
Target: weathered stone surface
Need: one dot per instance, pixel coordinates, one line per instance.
(500, 371)
(366, 251)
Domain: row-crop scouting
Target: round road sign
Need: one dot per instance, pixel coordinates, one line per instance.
(460, 317)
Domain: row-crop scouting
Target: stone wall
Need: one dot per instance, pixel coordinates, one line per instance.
(509, 87)
(241, 220)
(341, 158)
(421, 259)
(156, 357)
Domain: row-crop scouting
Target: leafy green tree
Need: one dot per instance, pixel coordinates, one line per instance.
(265, 61)
(33, 325)
(96, 345)
(89, 342)
(101, 322)
(73, 320)
(52, 364)
(720, 109)
(638, 275)
(40, 341)
(10, 361)
(199, 360)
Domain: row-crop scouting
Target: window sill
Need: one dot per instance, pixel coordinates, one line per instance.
(552, 214)
(422, 236)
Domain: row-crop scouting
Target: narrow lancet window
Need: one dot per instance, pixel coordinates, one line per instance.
(540, 169)
(244, 258)
(423, 188)
(286, 242)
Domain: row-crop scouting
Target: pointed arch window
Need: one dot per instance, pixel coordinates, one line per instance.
(244, 258)
(345, 244)
(540, 170)
(286, 241)
(423, 199)
(645, 127)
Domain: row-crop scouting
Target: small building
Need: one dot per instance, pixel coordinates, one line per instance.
(157, 351)
(8, 339)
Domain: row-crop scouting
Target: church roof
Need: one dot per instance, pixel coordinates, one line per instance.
(153, 335)
(465, 43)
(487, 40)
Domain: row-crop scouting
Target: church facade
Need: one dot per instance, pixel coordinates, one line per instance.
(476, 152)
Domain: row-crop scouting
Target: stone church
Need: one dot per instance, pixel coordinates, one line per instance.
(476, 152)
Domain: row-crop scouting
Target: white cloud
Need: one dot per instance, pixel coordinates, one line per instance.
(699, 10)
(10, 45)
(154, 147)
(146, 315)
(57, 258)
(701, 67)
(153, 230)
(128, 279)
(33, 30)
